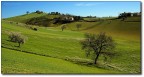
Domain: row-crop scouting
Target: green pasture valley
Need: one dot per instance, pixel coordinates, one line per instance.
(49, 50)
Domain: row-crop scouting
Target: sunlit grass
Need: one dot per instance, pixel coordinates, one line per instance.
(62, 44)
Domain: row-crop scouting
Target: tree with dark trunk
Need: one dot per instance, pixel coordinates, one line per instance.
(99, 44)
(63, 27)
(17, 38)
(78, 26)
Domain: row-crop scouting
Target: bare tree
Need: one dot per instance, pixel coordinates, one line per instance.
(78, 26)
(17, 37)
(98, 44)
(63, 27)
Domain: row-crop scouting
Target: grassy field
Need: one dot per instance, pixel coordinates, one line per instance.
(50, 50)
(19, 62)
(113, 28)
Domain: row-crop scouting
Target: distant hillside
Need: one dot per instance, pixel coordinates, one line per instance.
(133, 19)
(44, 19)
(130, 26)
(25, 17)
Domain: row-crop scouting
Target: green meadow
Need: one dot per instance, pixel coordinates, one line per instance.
(52, 51)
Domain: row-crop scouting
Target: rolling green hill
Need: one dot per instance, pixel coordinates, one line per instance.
(25, 17)
(111, 27)
(130, 27)
(50, 50)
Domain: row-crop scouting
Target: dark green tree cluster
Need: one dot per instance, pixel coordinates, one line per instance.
(40, 21)
(77, 18)
(55, 13)
(39, 12)
(27, 12)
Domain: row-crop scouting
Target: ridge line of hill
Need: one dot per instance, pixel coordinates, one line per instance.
(30, 52)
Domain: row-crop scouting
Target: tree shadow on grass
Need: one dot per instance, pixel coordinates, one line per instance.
(90, 63)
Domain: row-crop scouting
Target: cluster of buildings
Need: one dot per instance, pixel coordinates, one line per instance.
(129, 14)
(136, 14)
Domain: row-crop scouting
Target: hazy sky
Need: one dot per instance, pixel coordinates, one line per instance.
(14, 8)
